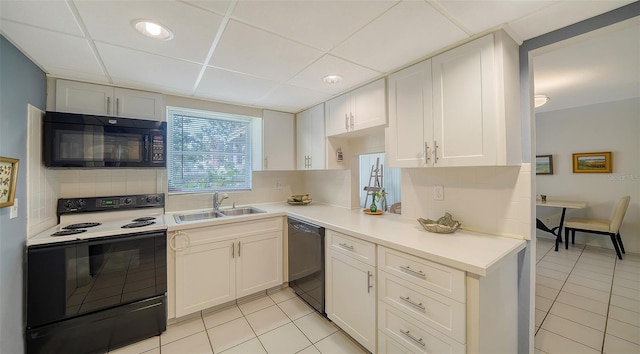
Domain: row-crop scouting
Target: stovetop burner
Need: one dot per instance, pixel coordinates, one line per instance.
(82, 225)
(138, 224)
(68, 232)
(144, 218)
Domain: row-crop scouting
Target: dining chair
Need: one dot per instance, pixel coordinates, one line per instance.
(609, 227)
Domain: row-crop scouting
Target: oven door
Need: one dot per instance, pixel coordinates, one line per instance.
(67, 280)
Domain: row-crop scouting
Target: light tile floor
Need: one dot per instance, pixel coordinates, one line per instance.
(279, 322)
(587, 300)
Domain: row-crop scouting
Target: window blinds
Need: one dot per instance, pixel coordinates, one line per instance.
(208, 151)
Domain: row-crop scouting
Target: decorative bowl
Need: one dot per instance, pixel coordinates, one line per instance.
(444, 225)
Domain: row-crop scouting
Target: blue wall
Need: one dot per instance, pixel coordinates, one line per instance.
(21, 83)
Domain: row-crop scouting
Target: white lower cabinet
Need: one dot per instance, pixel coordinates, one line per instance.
(413, 336)
(209, 266)
(421, 304)
(350, 289)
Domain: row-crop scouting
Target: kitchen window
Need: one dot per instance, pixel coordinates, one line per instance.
(208, 151)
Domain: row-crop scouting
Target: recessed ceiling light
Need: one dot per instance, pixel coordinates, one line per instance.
(152, 30)
(332, 79)
(540, 100)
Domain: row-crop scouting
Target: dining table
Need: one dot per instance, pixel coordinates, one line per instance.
(564, 204)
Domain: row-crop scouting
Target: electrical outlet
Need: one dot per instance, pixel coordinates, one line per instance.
(277, 184)
(13, 210)
(438, 193)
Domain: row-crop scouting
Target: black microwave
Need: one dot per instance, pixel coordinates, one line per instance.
(80, 140)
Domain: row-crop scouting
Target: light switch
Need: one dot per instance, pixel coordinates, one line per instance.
(438, 193)
(13, 210)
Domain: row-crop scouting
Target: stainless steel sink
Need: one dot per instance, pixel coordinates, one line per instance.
(201, 215)
(241, 211)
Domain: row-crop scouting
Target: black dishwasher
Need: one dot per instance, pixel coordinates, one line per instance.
(306, 262)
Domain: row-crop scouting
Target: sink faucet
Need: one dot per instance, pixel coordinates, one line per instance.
(217, 201)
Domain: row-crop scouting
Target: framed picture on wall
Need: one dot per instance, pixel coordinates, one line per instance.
(544, 164)
(592, 162)
(8, 178)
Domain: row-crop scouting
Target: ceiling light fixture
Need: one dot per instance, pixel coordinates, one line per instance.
(152, 30)
(540, 100)
(332, 79)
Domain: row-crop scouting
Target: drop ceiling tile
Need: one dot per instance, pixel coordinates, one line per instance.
(217, 6)
(233, 87)
(312, 76)
(288, 98)
(407, 32)
(132, 66)
(321, 24)
(193, 29)
(249, 50)
(52, 15)
(51, 49)
(494, 13)
(560, 15)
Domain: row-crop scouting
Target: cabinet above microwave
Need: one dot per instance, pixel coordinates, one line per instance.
(86, 98)
(86, 141)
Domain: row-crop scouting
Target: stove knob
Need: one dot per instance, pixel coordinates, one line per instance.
(158, 199)
(127, 201)
(149, 199)
(69, 204)
(81, 203)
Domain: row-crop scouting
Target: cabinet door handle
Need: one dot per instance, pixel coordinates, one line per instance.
(117, 106)
(415, 273)
(413, 303)
(108, 105)
(426, 152)
(310, 162)
(435, 152)
(352, 121)
(369, 282)
(345, 246)
(233, 250)
(346, 121)
(413, 338)
(266, 162)
(238, 248)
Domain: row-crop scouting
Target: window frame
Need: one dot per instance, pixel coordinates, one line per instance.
(213, 115)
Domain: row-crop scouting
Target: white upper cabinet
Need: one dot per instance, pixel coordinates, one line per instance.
(409, 137)
(360, 109)
(278, 151)
(470, 107)
(310, 139)
(85, 98)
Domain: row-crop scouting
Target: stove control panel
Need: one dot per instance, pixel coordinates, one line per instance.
(83, 205)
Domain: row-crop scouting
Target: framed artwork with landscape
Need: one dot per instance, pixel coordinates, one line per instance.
(544, 164)
(8, 178)
(592, 162)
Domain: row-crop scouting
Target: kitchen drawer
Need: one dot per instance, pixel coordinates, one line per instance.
(413, 334)
(386, 345)
(442, 313)
(436, 277)
(353, 247)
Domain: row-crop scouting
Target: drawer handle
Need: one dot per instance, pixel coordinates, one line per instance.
(411, 302)
(345, 246)
(417, 340)
(415, 273)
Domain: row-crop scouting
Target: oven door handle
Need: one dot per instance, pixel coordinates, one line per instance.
(173, 238)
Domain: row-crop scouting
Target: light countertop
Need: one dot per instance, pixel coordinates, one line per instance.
(472, 252)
